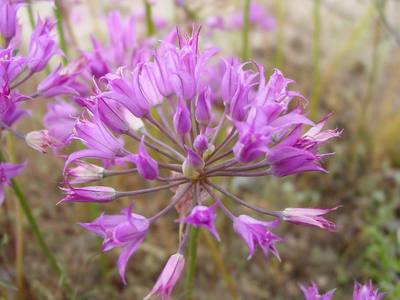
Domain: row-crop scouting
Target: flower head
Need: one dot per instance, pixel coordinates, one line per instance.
(167, 103)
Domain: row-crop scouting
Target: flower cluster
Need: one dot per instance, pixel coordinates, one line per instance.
(191, 128)
(360, 292)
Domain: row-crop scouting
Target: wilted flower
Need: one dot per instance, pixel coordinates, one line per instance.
(309, 216)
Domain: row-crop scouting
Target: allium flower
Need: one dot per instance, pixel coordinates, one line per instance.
(168, 105)
(311, 293)
(125, 230)
(168, 277)
(366, 292)
(8, 171)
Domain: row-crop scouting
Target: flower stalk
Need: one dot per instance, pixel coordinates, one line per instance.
(191, 267)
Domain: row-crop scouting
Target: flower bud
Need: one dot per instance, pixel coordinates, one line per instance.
(147, 166)
(182, 121)
(201, 143)
(203, 108)
(8, 19)
(192, 165)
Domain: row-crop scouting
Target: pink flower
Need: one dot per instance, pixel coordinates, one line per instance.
(168, 277)
(89, 194)
(309, 216)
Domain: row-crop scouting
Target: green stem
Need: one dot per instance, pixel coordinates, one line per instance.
(60, 29)
(22, 201)
(192, 253)
(149, 19)
(245, 31)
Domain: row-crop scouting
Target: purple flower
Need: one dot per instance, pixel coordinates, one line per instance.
(147, 166)
(125, 230)
(203, 216)
(297, 153)
(311, 293)
(99, 140)
(309, 216)
(89, 194)
(8, 17)
(366, 292)
(8, 171)
(168, 277)
(255, 232)
(42, 46)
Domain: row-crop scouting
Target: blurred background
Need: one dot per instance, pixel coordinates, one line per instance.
(345, 58)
